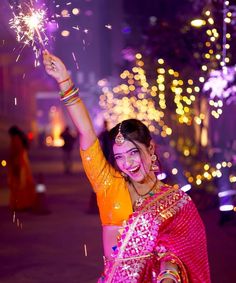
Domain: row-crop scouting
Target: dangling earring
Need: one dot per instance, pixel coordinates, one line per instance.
(154, 167)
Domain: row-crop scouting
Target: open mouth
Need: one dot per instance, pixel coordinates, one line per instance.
(134, 169)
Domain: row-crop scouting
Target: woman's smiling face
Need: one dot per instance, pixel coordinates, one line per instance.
(134, 162)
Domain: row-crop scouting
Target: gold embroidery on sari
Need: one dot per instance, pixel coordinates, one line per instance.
(137, 238)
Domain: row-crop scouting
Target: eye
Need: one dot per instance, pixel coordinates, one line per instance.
(117, 157)
(134, 151)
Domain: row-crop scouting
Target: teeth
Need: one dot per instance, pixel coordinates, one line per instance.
(134, 169)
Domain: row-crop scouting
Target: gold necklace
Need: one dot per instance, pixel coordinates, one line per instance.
(141, 198)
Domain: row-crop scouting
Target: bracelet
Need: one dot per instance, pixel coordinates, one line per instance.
(71, 97)
(168, 273)
(68, 91)
(72, 102)
(64, 81)
(73, 92)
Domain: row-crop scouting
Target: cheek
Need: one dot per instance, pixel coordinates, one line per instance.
(146, 162)
(138, 159)
(119, 164)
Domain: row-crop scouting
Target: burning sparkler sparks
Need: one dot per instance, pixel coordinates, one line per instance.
(29, 24)
(76, 63)
(108, 26)
(16, 221)
(76, 27)
(85, 250)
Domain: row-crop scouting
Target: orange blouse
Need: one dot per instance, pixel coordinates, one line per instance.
(110, 187)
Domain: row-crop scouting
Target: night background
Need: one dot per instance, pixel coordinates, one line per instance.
(168, 63)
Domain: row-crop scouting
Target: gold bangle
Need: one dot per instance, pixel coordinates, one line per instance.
(168, 273)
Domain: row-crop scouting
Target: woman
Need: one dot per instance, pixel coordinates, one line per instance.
(151, 232)
(20, 178)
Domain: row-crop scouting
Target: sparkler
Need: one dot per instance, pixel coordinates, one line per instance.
(29, 24)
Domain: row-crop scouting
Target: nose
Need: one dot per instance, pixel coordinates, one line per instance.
(127, 162)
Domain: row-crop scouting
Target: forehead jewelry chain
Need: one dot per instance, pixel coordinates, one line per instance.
(119, 139)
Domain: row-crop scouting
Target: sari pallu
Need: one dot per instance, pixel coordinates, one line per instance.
(166, 227)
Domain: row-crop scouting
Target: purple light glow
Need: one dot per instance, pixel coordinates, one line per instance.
(186, 188)
(161, 176)
(219, 83)
(226, 207)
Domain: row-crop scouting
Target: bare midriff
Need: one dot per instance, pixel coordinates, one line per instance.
(110, 234)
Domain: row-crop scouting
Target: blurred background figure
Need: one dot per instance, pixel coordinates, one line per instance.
(69, 141)
(20, 179)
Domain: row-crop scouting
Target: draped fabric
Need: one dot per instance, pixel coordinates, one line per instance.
(20, 181)
(166, 227)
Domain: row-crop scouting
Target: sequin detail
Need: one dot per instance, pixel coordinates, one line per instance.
(117, 205)
(112, 193)
(144, 242)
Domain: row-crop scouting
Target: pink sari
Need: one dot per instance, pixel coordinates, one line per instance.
(166, 227)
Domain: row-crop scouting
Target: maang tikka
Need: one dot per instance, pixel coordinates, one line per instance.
(119, 139)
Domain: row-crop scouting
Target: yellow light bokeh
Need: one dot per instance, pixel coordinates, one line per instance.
(198, 23)
(3, 163)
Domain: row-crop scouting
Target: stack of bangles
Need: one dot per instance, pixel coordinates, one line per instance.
(71, 96)
(169, 274)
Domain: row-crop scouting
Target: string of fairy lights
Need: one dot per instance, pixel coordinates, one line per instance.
(137, 98)
(218, 53)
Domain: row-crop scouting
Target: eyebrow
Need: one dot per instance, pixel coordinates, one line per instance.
(126, 151)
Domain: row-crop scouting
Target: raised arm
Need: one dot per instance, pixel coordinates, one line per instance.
(77, 110)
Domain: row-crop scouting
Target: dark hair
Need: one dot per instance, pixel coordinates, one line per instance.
(133, 130)
(16, 131)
